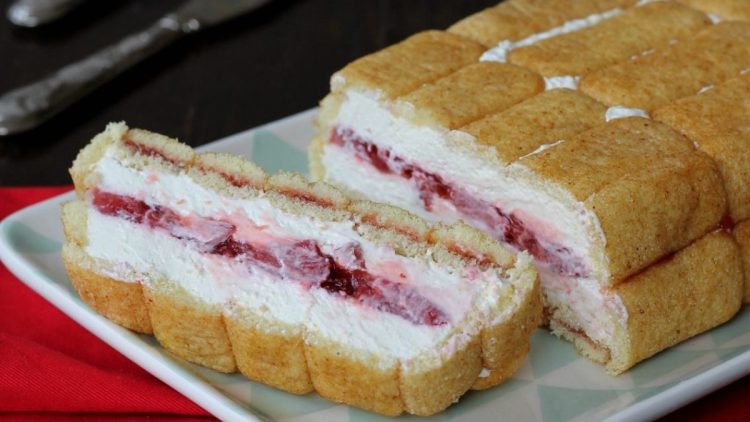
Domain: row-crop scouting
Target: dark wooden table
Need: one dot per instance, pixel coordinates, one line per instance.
(255, 69)
(258, 68)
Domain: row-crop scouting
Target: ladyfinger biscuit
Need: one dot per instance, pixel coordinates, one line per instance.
(699, 287)
(717, 121)
(516, 19)
(403, 67)
(636, 30)
(540, 121)
(470, 94)
(649, 81)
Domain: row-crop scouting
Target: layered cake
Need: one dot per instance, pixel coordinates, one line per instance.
(631, 221)
(291, 283)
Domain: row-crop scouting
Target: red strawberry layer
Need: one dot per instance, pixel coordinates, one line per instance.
(503, 226)
(343, 273)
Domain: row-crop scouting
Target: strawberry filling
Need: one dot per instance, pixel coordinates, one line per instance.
(343, 273)
(506, 227)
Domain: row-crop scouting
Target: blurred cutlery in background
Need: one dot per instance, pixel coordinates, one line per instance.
(32, 13)
(27, 107)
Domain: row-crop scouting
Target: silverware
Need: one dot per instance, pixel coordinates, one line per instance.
(26, 107)
(32, 13)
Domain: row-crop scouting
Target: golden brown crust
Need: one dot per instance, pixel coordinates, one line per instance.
(188, 327)
(471, 93)
(121, 302)
(717, 121)
(543, 119)
(712, 56)
(427, 392)
(635, 173)
(270, 352)
(506, 345)
(315, 158)
(517, 19)
(696, 290)
(636, 30)
(724, 9)
(363, 381)
(403, 67)
(742, 236)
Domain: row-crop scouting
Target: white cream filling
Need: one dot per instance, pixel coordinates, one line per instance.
(584, 296)
(445, 153)
(500, 52)
(216, 279)
(621, 112)
(565, 81)
(390, 188)
(645, 2)
(211, 278)
(542, 148)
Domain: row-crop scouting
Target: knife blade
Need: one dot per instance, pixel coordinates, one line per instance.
(27, 107)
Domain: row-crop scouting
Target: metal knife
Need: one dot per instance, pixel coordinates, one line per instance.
(25, 108)
(33, 13)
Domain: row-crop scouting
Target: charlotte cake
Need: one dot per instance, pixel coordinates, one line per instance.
(554, 176)
(291, 283)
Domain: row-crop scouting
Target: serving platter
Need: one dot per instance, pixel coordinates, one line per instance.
(554, 384)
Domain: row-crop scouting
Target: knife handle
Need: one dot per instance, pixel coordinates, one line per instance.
(26, 107)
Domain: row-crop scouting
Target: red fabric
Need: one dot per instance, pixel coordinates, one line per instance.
(52, 368)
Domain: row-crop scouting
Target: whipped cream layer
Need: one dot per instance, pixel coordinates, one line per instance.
(565, 81)
(452, 156)
(621, 112)
(184, 250)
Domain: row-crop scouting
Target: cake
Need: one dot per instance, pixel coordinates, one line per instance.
(634, 223)
(292, 283)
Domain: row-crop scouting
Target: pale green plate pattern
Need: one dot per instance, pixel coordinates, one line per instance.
(554, 384)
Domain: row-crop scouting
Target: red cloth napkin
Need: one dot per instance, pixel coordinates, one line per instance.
(52, 367)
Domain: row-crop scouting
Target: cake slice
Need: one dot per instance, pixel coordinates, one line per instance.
(292, 283)
(597, 204)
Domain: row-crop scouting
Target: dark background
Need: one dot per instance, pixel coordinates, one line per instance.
(255, 69)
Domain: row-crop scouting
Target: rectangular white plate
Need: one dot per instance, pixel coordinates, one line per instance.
(554, 383)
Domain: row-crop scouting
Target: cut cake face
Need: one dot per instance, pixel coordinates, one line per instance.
(339, 287)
